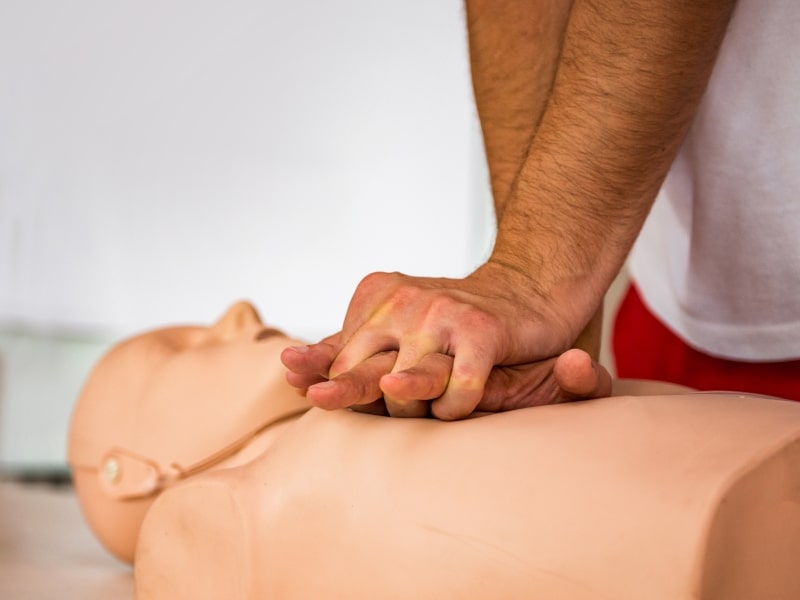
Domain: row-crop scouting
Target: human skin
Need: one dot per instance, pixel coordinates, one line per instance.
(528, 39)
(627, 82)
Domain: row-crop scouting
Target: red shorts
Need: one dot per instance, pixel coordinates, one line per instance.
(645, 349)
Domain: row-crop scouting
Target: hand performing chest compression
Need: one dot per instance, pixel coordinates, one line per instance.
(446, 347)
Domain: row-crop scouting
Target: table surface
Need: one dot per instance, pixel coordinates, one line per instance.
(47, 551)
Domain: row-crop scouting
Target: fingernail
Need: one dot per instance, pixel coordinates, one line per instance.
(325, 385)
(300, 349)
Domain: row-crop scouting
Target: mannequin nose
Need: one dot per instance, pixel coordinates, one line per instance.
(239, 317)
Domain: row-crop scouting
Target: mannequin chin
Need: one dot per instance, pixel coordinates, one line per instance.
(226, 485)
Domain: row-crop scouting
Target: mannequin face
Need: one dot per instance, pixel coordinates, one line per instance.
(167, 404)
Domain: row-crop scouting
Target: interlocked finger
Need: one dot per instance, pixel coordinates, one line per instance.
(465, 388)
(359, 385)
(367, 342)
(425, 381)
(308, 365)
(403, 378)
(377, 408)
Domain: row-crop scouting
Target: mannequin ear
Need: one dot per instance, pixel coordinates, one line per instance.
(237, 318)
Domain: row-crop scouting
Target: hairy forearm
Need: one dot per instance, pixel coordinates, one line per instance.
(514, 47)
(629, 79)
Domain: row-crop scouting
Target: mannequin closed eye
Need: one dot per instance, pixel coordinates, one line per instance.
(266, 333)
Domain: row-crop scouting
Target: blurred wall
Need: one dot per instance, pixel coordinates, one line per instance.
(161, 159)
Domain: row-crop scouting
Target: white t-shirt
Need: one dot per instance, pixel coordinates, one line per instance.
(718, 260)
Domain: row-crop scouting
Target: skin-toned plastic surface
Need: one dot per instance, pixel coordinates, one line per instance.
(661, 497)
(164, 405)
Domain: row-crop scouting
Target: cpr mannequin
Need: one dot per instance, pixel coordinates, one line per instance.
(168, 404)
(685, 496)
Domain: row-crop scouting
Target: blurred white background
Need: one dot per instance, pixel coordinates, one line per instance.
(159, 160)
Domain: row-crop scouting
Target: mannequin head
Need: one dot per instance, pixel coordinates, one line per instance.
(168, 404)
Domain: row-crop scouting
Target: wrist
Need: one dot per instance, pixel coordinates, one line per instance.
(565, 307)
(561, 282)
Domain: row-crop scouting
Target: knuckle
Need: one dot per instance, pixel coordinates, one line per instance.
(371, 282)
(480, 320)
(440, 306)
(468, 378)
(403, 296)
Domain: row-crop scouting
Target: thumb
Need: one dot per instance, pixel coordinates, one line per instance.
(580, 377)
(519, 386)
